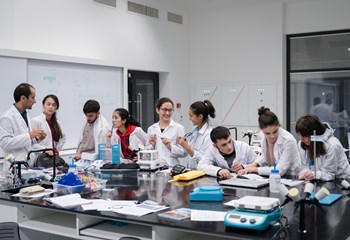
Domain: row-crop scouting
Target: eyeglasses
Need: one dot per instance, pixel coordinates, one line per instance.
(167, 110)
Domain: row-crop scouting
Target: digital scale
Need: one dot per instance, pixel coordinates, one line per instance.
(252, 212)
(148, 159)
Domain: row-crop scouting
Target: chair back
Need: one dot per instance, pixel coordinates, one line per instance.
(9, 231)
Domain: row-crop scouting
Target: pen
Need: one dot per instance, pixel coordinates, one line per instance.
(188, 134)
(165, 137)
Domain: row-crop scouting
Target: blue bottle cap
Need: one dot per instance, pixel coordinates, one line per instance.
(274, 170)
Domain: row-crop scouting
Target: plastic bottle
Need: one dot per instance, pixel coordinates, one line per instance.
(102, 147)
(275, 180)
(116, 153)
(72, 167)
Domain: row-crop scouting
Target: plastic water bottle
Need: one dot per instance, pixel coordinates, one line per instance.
(275, 180)
(116, 153)
(102, 151)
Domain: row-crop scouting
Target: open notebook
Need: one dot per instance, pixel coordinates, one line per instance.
(245, 183)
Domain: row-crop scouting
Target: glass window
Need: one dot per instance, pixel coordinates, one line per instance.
(319, 80)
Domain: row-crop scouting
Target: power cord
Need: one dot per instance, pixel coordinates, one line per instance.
(282, 233)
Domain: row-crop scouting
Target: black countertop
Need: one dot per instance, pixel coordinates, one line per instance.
(330, 223)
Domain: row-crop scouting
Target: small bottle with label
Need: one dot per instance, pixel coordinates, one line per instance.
(116, 153)
(72, 167)
(275, 180)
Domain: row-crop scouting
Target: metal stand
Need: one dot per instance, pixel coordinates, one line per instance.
(250, 135)
(302, 204)
(234, 128)
(314, 139)
(19, 168)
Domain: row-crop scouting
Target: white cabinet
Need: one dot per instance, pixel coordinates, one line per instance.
(51, 223)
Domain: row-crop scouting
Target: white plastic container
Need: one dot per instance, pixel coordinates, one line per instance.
(275, 180)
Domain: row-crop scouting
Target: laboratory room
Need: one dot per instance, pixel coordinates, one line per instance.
(174, 119)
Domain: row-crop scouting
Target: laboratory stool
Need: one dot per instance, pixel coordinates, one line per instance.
(9, 231)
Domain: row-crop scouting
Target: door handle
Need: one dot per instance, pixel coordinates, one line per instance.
(139, 107)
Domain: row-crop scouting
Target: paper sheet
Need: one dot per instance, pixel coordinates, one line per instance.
(141, 209)
(208, 216)
(290, 182)
(107, 205)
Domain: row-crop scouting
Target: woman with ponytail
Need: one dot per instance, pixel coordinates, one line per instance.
(47, 121)
(198, 140)
(128, 133)
(278, 147)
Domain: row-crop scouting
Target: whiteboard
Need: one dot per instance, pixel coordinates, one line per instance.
(74, 84)
(13, 71)
(241, 103)
(237, 104)
(211, 93)
(260, 95)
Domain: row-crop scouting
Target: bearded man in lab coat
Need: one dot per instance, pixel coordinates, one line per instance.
(94, 131)
(16, 135)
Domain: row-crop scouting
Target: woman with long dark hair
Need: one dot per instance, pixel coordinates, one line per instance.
(47, 121)
(128, 133)
(331, 161)
(198, 140)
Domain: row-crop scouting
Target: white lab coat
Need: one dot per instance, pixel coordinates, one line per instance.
(137, 137)
(286, 155)
(171, 132)
(101, 127)
(334, 164)
(14, 136)
(40, 122)
(212, 160)
(199, 145)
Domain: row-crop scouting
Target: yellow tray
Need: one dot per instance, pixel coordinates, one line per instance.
(187, 176)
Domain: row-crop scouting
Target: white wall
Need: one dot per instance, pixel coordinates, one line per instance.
(239, 46)
(319, 15)
(83, 29)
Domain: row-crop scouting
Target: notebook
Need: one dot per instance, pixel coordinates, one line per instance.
(246, 183)
(329, 199)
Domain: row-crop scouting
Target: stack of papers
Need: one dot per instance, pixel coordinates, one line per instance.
(204, 215)
(124, 207)
(69, 201)
(142, 209)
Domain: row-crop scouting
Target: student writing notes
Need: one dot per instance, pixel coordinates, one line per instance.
(331, 161)
(47, 121)
(277, 145)
(162, 135)
(225, 155)
(16, 134)
(198, 140)
(94, 131)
